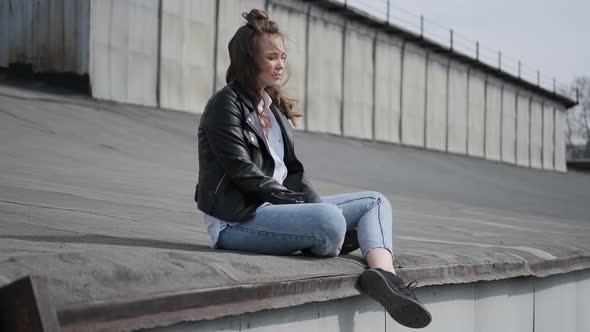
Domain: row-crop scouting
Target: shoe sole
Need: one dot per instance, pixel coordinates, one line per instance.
(402, 309)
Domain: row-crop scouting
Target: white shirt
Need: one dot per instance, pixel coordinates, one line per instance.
(277, 152)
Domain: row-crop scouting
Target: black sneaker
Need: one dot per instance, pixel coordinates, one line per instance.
(351, 242)
(397, 298)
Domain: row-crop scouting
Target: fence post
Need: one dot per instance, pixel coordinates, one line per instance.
(500, 60)
(387, 18)
(421, 26)
(451, 39)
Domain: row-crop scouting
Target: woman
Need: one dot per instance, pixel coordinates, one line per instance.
(254, 192)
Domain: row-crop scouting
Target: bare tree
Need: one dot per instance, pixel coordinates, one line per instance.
(570, 128)
(578, 119)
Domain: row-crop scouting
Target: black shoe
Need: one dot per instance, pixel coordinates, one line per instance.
(351, 242)
(397, 298)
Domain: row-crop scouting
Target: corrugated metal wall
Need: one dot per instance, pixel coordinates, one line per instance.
(52, 36)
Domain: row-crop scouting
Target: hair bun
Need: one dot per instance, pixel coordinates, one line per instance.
(255, 15)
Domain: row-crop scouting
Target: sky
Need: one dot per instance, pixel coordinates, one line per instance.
(547, 35)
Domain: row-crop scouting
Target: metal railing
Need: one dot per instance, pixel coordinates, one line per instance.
(389, 13)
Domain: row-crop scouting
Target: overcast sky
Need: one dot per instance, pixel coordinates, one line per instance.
(549, 35)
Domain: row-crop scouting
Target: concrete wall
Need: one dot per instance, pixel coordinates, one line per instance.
(188, 39)
(560, 126)
(229, 20)
(493, 113)
(324, 89)
(349, 78)
(548, 136)
(387, 88)
(476, 113)
(508, 124)
(436, 103)
(556, 303)
(413, 95)
(522, 128)
(358, 81)
(293, 23)
(457, 127)
(52, 36)
(124, 51)
(536, 134)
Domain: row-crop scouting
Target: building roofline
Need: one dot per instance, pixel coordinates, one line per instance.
(437, 47)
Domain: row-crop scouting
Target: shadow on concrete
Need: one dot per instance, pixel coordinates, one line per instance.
(110, 240)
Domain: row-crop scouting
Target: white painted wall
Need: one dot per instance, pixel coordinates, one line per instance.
(413, 95)
(325, 73)
(476, 109)
(556, 303)
(508, 124)
(358, 82)
(451, 306)
(387, 89)
(457, 108)
(548, 144)
(124, 51)
(504, 305)
(561, 303)
(493, 113)
(522, 129)
(536, 133)
(188, 39)
(436, 103)
(293, 23)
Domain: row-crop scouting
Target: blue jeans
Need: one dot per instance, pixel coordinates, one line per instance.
(318, 228)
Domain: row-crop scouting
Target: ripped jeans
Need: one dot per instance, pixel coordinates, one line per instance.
(318, 228)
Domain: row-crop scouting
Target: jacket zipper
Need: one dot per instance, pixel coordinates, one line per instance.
(219, 184)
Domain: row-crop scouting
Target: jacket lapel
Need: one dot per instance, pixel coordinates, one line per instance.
(254, 123)
(251, 118)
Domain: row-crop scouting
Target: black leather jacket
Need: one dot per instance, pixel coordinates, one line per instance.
(235, 165)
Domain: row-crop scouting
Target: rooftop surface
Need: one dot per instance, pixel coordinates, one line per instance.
(97, 198)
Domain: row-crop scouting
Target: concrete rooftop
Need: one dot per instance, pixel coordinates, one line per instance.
(97, 198)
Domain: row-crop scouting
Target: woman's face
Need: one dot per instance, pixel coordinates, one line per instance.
(271, 61)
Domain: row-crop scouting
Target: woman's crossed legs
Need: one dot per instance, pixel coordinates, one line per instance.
(318, 228)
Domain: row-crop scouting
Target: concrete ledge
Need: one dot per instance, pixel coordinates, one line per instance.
(202, 304)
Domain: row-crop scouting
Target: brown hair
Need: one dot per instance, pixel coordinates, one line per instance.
(243, 49)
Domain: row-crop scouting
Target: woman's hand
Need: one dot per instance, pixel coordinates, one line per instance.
(286, 197)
